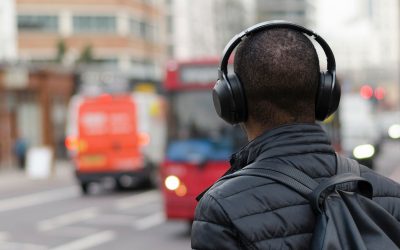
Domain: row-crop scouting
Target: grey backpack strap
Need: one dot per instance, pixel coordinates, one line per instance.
(287, 175)
(346, 165)
(302, 183)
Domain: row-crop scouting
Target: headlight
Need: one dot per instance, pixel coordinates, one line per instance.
(363, 151)
(172, 182)
(394, 131)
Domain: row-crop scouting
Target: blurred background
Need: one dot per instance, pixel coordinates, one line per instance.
(107, 127)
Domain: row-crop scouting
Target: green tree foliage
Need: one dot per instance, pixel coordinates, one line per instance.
(61, 51)
(86, 55)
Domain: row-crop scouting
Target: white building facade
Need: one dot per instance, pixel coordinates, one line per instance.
(364, 36)
(8, 35)
(201, 28)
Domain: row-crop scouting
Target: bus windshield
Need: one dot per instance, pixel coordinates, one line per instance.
(195, 126)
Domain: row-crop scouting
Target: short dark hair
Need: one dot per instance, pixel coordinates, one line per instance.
(279, 70)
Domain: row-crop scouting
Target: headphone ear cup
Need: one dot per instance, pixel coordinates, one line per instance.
(328, 96)
(335, 99)
(239, 98)
(229, 99)
(223, 99)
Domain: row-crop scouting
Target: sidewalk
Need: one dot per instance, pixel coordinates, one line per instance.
(12, 176)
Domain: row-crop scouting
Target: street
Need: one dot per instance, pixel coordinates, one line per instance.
(52, 214)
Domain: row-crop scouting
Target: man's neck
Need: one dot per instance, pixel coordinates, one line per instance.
(254, 129)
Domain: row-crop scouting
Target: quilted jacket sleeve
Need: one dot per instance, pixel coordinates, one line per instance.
(212, 228)
(386, 191)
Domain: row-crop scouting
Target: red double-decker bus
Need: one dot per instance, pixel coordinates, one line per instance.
(199, 142)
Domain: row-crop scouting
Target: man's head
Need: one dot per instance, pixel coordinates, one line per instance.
(279, 70)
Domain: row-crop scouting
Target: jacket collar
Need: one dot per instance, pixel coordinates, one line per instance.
(290, 139)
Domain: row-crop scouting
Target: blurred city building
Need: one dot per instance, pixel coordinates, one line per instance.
(60, 47)
(365, 40)
(201, 28)
(8, 45)
(125, 35)
(384, 72)
(52, 49)
(32, 109)
(302, 12)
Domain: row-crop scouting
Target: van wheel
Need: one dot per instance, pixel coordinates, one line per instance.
(85, 188)
(119, 186)
(154, 178)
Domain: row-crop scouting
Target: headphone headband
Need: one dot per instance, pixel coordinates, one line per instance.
(223, 68)
(228, 93)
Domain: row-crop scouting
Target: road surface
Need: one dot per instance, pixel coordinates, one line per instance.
(52, 214)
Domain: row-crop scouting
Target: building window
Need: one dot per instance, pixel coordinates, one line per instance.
(45, 23)
(149, 32)
(112, 62)
(145, 69)
(143, 29)
(94, 24)
(135, 27)
(171, 50)
(170, 24)
(43, 61)
(148, 2)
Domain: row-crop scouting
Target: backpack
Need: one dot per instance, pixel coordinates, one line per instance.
(346, 215)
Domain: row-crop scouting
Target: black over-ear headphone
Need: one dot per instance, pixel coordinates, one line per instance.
(228, 93)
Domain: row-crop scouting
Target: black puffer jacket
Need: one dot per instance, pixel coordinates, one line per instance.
(248, 212)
